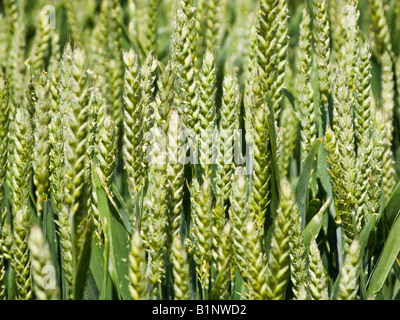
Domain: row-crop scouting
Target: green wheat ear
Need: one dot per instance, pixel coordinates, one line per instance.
(180, 269)
(3, 295)
(22, 165)
(207, 112)
(322, 51)
(175, 175)
(260, 189)
(133, 118)
(154, 226)
(278, 257)
(21, 258)
(223, 263)
(71, 7)
(239, 215)
(41, 46)
(379, 28)
(4, 135)
(288, 132)
(202, 231)
(363, 130)
(183, 53)
(41, 149)
(137, 269)
(2, 276)
(76, 143)
(305, 93)
(344, 131)
(256, 270)
(298, 256)
(318, 283)
(350, 272)
(149, 39)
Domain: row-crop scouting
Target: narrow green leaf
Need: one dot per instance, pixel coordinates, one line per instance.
(386, 260)
(118, 238)
(91, 291)
(366, 231)
(302, 184)
(97, 269)
(103, 291)
(315, 225)
(364, 238)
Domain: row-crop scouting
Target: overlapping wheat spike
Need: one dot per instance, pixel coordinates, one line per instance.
(164, 100)
(2, 274)
(201, 197)
(266, 40)
(256, 271)
(349, 274)
(342, 161)
(2, 263)
(388, 104)
(133, 118)
(180, 270)
(343, 97)
(227, 125)
(115, 67)
(21, 259)
(4, 137)
(56, 132)
(278, 256)
(363, 134)
(298, 255)
(223, 262)
(322, 51)
(261, 175)
(175, 174)
(379, 28)
(288, 132)
(227, 134)
(22, 160)
(207, 24)
(206, 125)
(147, 87)
(138, 286)
(282, 43)
(42, 45)
(239, 215)
(150, 33)
(71, 7)
(272, 33)
(75, 149)
(16, 57)
(106, 152)
(379, 138)
(305, 93)
(154, 226)
(7, 239)
(183, 42)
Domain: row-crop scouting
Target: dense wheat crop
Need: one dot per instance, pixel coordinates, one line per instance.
(199, 149)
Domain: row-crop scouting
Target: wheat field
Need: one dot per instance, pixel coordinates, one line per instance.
(199, 150)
